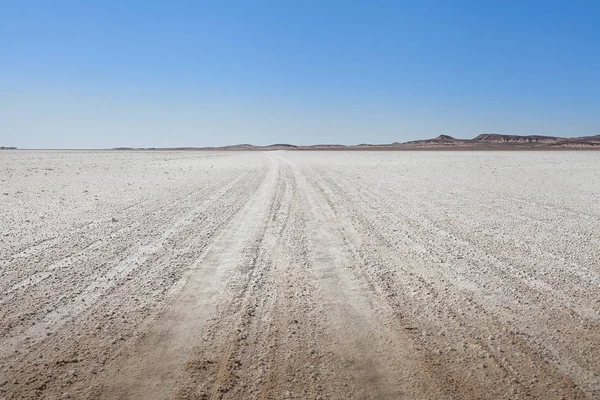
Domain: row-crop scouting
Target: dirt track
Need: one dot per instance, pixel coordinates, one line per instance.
(299, 275)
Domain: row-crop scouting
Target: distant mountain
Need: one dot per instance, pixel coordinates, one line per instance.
(439, 139)
(485, 141)
(552, 141)
(503, 142)
(495, 138)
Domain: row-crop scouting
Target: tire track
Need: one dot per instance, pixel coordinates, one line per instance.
(307, 275)
(113, 310)
(440, 290)
(95, 290)
(96, 246)
(371, 354)
(171, 336)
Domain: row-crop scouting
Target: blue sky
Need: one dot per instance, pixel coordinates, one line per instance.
(79, 74)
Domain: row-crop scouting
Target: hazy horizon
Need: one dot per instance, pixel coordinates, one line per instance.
(129, 74)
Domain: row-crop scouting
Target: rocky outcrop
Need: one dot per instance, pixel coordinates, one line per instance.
(496, 138)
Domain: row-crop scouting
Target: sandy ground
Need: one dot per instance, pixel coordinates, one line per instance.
(309, 275)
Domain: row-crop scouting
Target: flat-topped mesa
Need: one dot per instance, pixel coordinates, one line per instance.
(594, 139)
(498, 138)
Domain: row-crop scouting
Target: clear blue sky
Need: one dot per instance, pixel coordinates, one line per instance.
(149, 73)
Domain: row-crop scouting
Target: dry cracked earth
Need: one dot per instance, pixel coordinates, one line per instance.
(300, 275)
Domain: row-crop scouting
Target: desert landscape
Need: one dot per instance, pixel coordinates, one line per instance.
(299, 275)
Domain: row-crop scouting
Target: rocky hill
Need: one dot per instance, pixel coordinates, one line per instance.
(495, 138)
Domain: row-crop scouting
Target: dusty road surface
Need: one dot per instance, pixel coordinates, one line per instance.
(307, 275)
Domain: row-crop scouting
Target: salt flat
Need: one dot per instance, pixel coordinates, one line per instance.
(165, 274)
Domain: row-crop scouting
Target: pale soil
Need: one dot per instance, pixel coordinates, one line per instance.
(336, 275)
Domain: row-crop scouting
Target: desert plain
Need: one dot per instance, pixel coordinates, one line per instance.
(299, 275)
